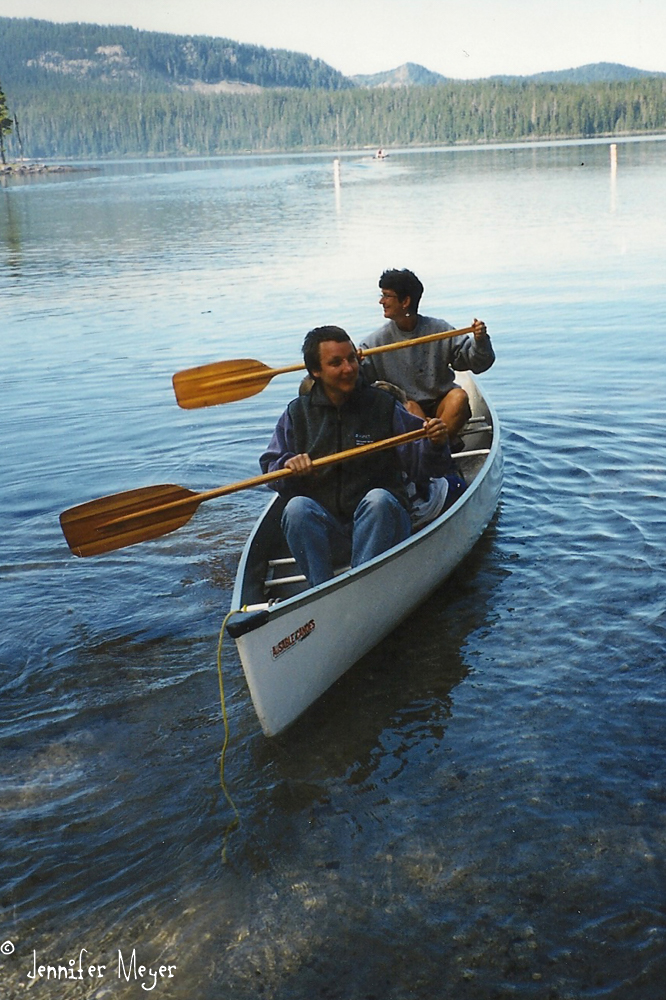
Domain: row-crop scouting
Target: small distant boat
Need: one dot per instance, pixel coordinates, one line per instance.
(380, 155)
(294, 641)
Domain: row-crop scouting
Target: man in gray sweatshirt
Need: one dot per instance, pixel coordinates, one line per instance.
(425, 373)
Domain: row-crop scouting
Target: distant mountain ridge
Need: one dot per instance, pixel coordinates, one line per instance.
(71, 56)
(413, 75)
(602, 72)
(407, 75)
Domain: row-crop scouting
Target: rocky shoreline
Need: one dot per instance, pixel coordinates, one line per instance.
(29, 169)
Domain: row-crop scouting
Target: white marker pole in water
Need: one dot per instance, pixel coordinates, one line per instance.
(613, 175)
(336, 182)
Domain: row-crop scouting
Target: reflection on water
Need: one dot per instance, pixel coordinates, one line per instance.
(476, 809)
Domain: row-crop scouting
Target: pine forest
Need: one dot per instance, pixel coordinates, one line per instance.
(153, 95)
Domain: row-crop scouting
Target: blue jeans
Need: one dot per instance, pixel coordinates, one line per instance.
(318, 541)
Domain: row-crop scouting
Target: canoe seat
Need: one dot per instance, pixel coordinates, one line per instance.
(476, 425)
(283, 581)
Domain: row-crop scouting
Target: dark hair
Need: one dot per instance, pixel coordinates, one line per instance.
(403, 283)
(316, 337)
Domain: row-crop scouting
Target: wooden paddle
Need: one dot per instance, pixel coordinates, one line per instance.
(227, 381)
(123, 519)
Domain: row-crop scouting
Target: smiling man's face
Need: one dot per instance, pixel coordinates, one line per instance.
(338, 369)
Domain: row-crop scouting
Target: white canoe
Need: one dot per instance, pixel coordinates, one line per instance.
(294, 648)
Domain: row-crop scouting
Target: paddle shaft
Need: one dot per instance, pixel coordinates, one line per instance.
(428, 339)
(268, 477)
(251, 376)
(229, 381)
(382, 348)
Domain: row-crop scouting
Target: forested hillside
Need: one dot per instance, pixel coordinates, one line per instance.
(142, 93)
(65, 56)
(182, 124)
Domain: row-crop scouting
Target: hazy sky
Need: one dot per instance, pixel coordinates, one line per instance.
(458, 38)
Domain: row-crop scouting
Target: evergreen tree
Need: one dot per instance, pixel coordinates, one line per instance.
(5, 123)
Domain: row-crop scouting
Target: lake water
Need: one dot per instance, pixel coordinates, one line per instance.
(476, 810)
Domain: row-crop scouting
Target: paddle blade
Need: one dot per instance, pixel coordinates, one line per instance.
(90, 531)
(220, 382)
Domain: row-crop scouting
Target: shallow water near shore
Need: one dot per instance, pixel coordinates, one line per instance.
(476, 810)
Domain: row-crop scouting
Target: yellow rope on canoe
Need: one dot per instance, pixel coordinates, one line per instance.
(236, 821)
